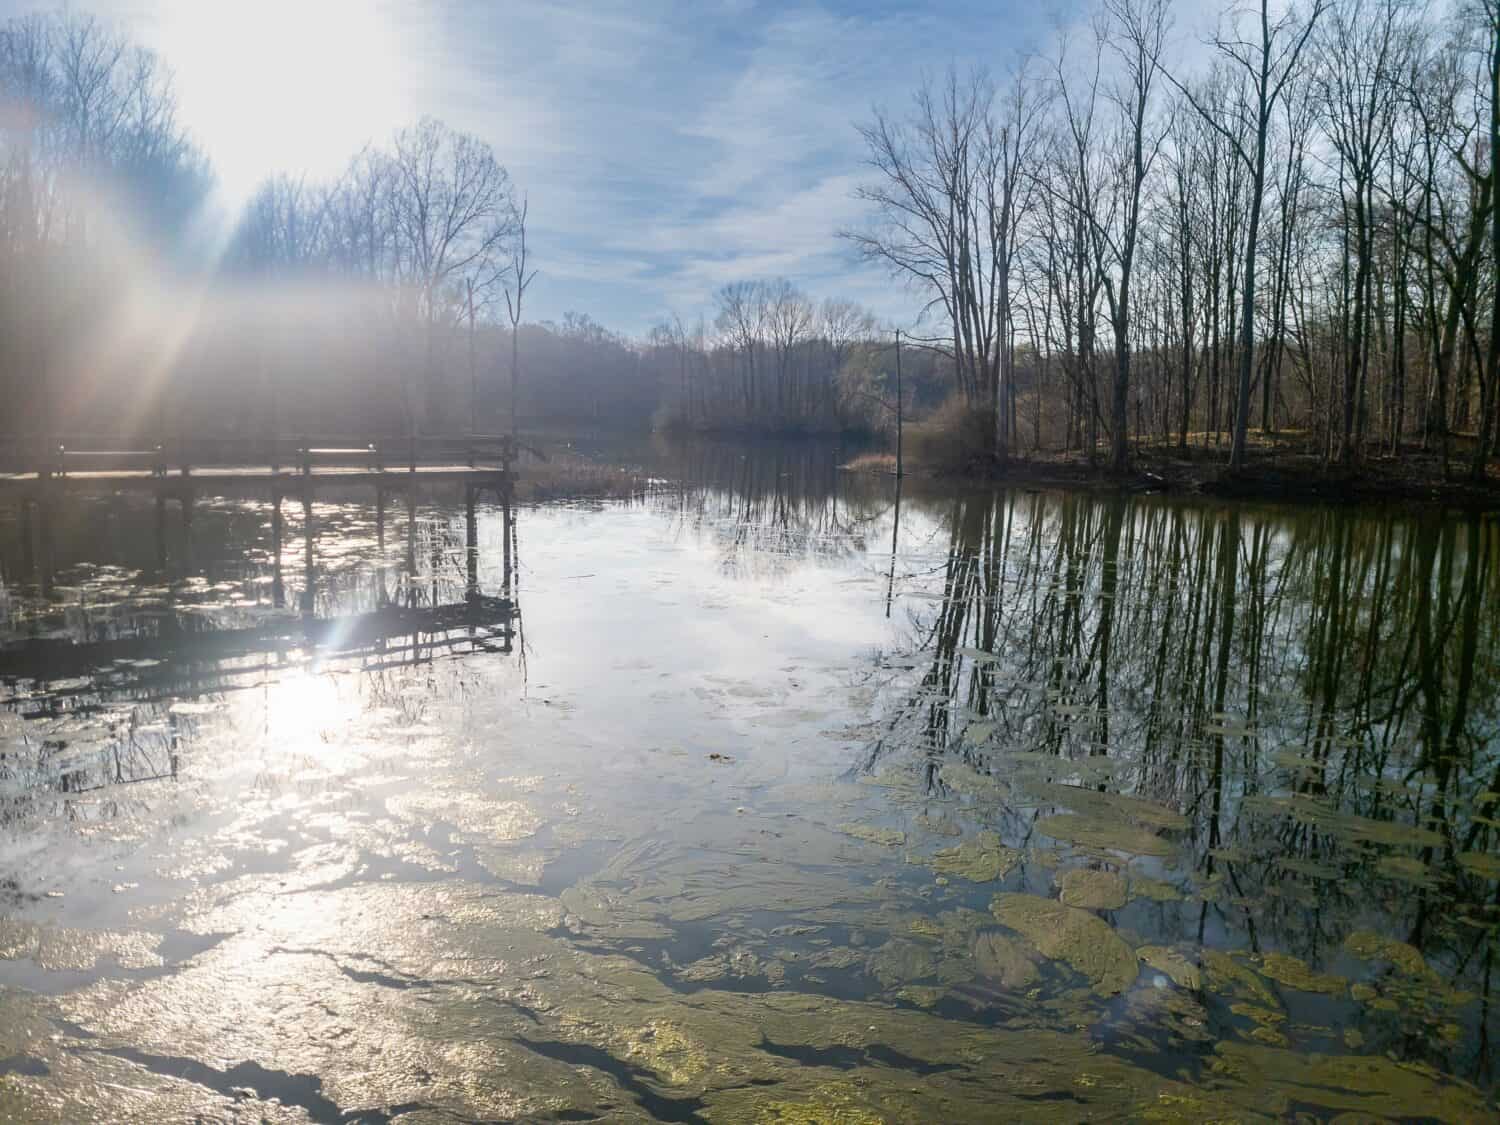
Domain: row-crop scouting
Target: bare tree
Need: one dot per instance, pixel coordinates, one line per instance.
(359, 236)
(669, 334)
(1292, 189)
(1013, 146)
(934, 174)
(1076, 171)
(1359, 64)
(453, 213)
(80, 107)
(741, 323)
(1487, 17)
(789, 316)
(842, 325)
(1268, 61)
(517, 280)
(283, 228)
(1184, 171)
(1137, 29)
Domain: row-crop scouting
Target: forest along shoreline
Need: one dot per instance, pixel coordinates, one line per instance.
(1272, 475)
(1407, 477)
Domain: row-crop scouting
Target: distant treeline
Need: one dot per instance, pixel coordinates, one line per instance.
(775, 361)
(1298, 233)
(87, 129)
(128, 303)
(383, 300)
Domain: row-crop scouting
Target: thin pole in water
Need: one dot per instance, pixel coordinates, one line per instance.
(900, 471)
(473, 376)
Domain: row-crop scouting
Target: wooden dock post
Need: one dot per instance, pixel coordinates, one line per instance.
(471, 542)
(381, 597)
(278, 587)
(309, 573)
(28, 544)
(508, 522)
(161, 531)
(46, 518)
(411, 546)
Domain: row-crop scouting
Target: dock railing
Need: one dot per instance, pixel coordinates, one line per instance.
(154, 459)
(102, 454)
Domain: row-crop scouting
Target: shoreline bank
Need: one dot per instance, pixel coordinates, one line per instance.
(1287, 481)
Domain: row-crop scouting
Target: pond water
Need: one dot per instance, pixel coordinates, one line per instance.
(758, 796)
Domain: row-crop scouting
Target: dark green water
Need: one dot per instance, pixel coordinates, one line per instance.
(753, 798)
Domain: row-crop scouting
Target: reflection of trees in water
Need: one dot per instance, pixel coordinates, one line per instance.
(1314, 689)
(112, 561)
(1083, 627)
(766, 504)
(124, 744)
(93, 668)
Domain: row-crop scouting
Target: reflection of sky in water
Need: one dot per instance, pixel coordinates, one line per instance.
(720, 839)
(653, 611)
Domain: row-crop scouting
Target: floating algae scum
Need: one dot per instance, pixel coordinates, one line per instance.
(1129, 810)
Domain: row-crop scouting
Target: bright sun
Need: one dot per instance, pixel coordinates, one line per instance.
(284, 85)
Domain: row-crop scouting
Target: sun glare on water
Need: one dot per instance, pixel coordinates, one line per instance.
(282, 86)
(308, 711)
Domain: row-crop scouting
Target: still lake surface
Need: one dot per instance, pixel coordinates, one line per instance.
(752, 797)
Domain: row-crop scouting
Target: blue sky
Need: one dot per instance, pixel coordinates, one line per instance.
(667, 147)
(674, 147)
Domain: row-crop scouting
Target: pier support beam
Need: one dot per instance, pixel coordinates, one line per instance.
(278, 586)
(309, 564)
(28, 533)
(471, 542)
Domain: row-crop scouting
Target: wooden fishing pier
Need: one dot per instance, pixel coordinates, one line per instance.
(172, 649)
(40, 479)
(283, 467)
